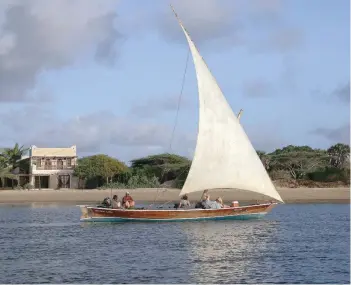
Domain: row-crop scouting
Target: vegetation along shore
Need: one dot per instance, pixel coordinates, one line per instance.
(294, 167)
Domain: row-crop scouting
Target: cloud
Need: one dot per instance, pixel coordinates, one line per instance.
(282, 40)
(102, 131)
(343, 93)
(40, 35)
(153, 107)
(257, 88)
(260, 25)
(22, 120)
(335, 135)
(273, 32)
(204, 19)
(105, 132)
(340, 94)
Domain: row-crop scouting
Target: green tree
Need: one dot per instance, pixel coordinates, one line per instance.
(5, 171)
(9, 160)
(13, 155)
(293, 148)
(298, 161)
(266, 160)
(99, 168)
(164, 166)
(339, 155)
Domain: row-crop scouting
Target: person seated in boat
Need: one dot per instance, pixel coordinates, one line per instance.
(208, 204)
(204, 195)
(203, 198)
(127, 201)
(115, 203)
(184, 202)
(220, 202)
(106, 203)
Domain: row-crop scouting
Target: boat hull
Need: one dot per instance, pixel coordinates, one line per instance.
(94, 214)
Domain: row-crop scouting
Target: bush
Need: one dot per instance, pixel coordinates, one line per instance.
(330, 174)
(113, 185)
(28, 186)
(136, 181)
(280, 174)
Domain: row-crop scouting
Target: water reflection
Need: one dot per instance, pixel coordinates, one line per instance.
(222, 252)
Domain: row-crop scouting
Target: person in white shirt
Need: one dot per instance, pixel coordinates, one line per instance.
(115, 203)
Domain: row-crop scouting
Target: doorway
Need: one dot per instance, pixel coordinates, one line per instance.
(64, 181)
(41, 181)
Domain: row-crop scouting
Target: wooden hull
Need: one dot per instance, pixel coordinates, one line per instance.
(94, 214)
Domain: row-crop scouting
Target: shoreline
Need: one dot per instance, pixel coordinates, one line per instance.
(163, 195)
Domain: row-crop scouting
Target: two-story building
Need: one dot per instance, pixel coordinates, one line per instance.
(51, 168)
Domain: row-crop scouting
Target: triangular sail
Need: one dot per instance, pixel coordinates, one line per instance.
(224, 156)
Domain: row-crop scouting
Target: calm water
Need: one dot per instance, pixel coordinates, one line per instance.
(293, 244)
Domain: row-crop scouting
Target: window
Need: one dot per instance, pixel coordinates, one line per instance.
(59, 164)
(47, 164)
(69, 162)
(39, 162)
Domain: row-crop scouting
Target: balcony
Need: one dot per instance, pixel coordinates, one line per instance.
(55, 167)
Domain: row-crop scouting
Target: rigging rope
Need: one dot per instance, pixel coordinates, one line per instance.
(176, 119)
(179, 99)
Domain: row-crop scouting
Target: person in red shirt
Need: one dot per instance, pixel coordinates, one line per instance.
(127, 201)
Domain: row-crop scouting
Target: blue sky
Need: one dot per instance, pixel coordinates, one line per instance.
(106, 75)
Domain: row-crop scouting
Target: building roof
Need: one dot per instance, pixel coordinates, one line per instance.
(57, 152)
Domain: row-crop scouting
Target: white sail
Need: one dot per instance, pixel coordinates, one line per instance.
(224, 156)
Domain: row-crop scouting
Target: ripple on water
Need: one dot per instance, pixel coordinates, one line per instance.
(293, 244)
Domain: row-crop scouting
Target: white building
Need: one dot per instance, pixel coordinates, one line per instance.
(52, 168)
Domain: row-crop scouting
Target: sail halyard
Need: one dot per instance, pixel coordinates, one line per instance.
(224, 157)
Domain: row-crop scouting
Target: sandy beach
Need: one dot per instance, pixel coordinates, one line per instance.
(77, 196)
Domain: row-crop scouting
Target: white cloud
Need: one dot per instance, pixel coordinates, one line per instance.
(96, 132)
(40, 35)
(204, 19)
(155, 106)
(105, 132)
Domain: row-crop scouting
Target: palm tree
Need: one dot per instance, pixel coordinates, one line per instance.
(9, 160)
(5, 171)
(13, 155)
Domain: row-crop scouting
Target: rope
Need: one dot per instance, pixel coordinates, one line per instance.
(165, 203)
(158, 192)
(176, 118)
(179, 99)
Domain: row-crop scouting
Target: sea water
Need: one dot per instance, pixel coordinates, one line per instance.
(293, 244)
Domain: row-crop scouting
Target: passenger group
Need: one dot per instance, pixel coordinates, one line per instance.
(204, 203)
(127, 202)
